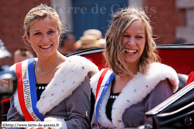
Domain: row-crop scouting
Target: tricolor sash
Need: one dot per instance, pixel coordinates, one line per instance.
(104, 81)
(27, 90)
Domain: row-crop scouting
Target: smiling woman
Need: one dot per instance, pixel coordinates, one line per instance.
(135, 81)
(48, 85)
(134, 43)
(44, 37)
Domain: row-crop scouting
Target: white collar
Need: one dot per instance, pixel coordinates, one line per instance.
(138, 88)
(67, 78)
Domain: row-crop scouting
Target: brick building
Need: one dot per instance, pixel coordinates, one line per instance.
(12, 15)
(170, 19)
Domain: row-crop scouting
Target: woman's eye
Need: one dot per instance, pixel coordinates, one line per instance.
(139, 37)
(38, 33)
(50, 32)
(125, 35)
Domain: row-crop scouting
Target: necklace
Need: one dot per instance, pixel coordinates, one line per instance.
(48, 70)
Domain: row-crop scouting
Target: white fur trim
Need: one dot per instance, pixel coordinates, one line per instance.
(51, 119)
(16, 103)
(67, 78)
(102, 111)
(102, 108)
(138, 88)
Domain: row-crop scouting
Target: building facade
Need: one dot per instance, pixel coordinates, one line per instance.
(170, 19)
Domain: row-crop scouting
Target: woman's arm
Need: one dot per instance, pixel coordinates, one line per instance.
(13, 114)
(73, 111)
(162, 91)
(78, 107)
(93, 122)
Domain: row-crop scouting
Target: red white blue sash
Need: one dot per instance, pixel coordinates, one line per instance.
(103, 84)
(27, 90)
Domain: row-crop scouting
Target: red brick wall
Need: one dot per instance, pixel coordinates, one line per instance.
(165, 18)
(164, 15)
(12, 14)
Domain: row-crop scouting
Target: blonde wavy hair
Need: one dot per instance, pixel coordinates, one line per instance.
(115, 46)
(37, 13)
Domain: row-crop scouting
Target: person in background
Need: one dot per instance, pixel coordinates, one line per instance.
(51, 87)
(92, 38)
(134, 81)
(22, 54)
(67, 41)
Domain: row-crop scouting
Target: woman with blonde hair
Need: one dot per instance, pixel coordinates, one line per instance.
(51, 87)
(134, 81)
